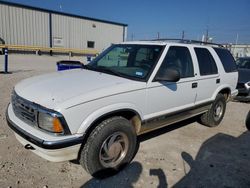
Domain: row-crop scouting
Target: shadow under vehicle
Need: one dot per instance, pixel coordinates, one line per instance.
(222, 161)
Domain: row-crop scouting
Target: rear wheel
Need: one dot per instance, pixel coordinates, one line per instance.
(215, 114)
(110, 146)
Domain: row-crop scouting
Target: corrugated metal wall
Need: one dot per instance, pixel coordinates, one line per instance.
(75, 32)
(21, 26)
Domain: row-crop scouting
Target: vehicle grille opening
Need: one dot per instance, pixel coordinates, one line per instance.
(240, 86)
(24, 109)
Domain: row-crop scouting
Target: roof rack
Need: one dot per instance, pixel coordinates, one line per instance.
(187, 41)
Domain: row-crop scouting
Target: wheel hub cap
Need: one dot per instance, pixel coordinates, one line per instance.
(113, 150)
(218, 111)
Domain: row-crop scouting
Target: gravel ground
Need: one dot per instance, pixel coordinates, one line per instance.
(186, 154)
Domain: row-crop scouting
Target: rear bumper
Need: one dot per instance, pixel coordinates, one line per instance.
(234, 94)
(57, 150)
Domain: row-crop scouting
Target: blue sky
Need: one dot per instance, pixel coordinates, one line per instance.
(224, 19)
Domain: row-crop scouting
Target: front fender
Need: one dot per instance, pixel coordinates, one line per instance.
(106, 110)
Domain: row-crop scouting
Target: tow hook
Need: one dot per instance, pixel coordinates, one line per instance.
(28, 146)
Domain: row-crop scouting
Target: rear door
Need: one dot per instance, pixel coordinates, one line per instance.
(208, 77)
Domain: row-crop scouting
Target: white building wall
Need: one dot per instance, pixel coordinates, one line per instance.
(21, 26)
(240, 50)
(75, 32)
(31, 27)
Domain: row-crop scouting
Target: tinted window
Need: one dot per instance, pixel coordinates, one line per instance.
(227, 59)
(179, 58)
(206, 62)
(243, 63)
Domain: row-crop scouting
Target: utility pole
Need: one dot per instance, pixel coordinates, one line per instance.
(158, 35)
(237, 38)
(183, 35)
(236, 42)
(206, 39)
(132, 36)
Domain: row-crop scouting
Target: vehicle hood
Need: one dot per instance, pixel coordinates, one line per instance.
(244, 75)
(51, 90)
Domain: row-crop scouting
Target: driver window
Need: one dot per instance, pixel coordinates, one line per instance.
(179, 58)
(145, 57)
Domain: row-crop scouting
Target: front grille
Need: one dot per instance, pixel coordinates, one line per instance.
(24, 109)
(240, 86)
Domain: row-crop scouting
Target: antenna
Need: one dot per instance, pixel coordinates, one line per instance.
(183, 35)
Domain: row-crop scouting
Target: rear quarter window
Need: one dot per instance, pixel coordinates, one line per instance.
(226, 59)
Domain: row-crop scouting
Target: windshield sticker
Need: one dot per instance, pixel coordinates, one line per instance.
(139, 73)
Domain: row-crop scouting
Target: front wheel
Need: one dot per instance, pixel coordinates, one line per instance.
(215, 114)
(110, 146)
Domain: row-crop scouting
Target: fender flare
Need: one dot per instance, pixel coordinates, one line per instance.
(219, 89)
(104, 111)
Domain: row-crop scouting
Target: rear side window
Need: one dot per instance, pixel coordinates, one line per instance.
(227, 60)
(206, 62)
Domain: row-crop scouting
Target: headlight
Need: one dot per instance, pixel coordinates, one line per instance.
(49, 123)
(247, 85)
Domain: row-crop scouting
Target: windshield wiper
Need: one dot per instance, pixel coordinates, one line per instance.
(109, 71)
(103, 70)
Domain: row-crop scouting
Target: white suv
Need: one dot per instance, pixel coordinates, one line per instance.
(94, 114)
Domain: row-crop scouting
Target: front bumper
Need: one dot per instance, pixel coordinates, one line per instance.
(243, 95)
(52, 150)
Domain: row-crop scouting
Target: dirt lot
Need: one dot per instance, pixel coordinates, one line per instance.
(186, 154)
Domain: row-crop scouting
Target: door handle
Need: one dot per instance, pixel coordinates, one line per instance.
(194, 85)
(217, 81)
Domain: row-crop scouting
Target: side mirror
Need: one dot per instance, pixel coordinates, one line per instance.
(170, 75)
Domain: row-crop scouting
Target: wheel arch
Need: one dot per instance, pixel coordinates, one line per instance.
(130, 114)
(225, 91)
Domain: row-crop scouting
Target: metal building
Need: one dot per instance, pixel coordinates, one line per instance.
(30, 26)
(240, 50)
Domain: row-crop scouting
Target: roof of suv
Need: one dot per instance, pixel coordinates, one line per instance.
(174, 42)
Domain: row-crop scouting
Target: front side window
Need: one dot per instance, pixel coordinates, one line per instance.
(130, 61)
(179, 58)
(206, 62)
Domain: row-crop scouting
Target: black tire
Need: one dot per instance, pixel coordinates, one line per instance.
(248, 121)
(93, 151)
(213, 117)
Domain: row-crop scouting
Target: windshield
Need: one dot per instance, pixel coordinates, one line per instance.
(243, 63)
(129, 61)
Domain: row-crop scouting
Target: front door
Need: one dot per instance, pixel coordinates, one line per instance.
(169, 98)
